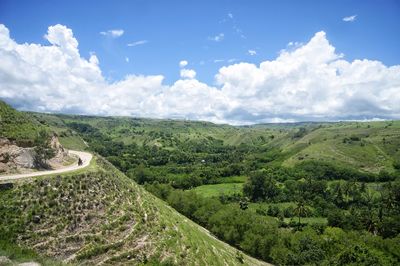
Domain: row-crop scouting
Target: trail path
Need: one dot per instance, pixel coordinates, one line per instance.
(85, 157)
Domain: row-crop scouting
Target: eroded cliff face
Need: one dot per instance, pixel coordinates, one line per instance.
(61, 153)
(15, 159)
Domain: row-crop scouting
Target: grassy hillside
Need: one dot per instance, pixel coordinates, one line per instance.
(364, 146)
(162, 133)
(368, 146)
(266, 189)
(18, 126)
(100, 216)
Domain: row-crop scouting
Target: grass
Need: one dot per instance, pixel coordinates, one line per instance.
(376, 146)
(219, 189)
(265, 206)
(21, 127)
(307, 220)
(233, 179)
(73, 143)
(100, 216)
(18, 255)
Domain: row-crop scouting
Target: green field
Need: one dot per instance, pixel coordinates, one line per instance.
(264, 205)
(73, 143)
(307, 220)
(217, 190)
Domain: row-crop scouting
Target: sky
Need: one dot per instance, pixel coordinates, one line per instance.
(225, 61)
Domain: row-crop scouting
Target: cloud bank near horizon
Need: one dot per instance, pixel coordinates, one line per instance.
(307, 82)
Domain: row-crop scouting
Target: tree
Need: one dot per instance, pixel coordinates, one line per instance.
(301, 209)
(254, 187)
(244, 203)
(359, 254)
(336, 218)
(260, 186)
(43, 150)
(141, 175)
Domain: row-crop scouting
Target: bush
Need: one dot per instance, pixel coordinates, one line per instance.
(42, 150)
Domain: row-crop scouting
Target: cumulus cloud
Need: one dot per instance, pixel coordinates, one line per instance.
(141, 42)
(183, 63)
(217, 38)
(47, 78)
(350, 18)
(113, 33)
(310, 81)
(188, 73)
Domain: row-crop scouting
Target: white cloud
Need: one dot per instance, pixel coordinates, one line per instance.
(308, 82)
(113, 33)
(127, 59)
(230, 15)
(48, 78)
(294, 44)
(141, 42)
(217, 38)
(350, 18)
(183, 63)
(93, 59)
(252, 52)
(218, 60)
(188, 73)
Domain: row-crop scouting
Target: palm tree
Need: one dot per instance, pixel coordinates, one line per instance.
(300, 210)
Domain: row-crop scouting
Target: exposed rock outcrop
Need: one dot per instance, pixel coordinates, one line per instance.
(15, 159)
(61, 153)
(12, 157)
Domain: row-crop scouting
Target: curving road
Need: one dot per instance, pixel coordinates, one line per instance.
(85, 157)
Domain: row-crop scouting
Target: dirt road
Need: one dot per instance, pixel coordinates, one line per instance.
(85, 157)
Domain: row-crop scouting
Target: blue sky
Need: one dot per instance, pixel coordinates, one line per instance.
(176, 30)
(212, 36)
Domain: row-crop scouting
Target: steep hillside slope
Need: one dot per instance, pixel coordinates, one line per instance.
(368, 146)
(26, 144)
(18, 126)
(99, 216)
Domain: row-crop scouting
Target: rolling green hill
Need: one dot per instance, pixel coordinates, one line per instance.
(163, 133)
(363, 146)
(18, 126)
(368, 146)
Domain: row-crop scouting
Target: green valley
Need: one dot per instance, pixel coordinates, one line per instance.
(304, 193)
(200, 133)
